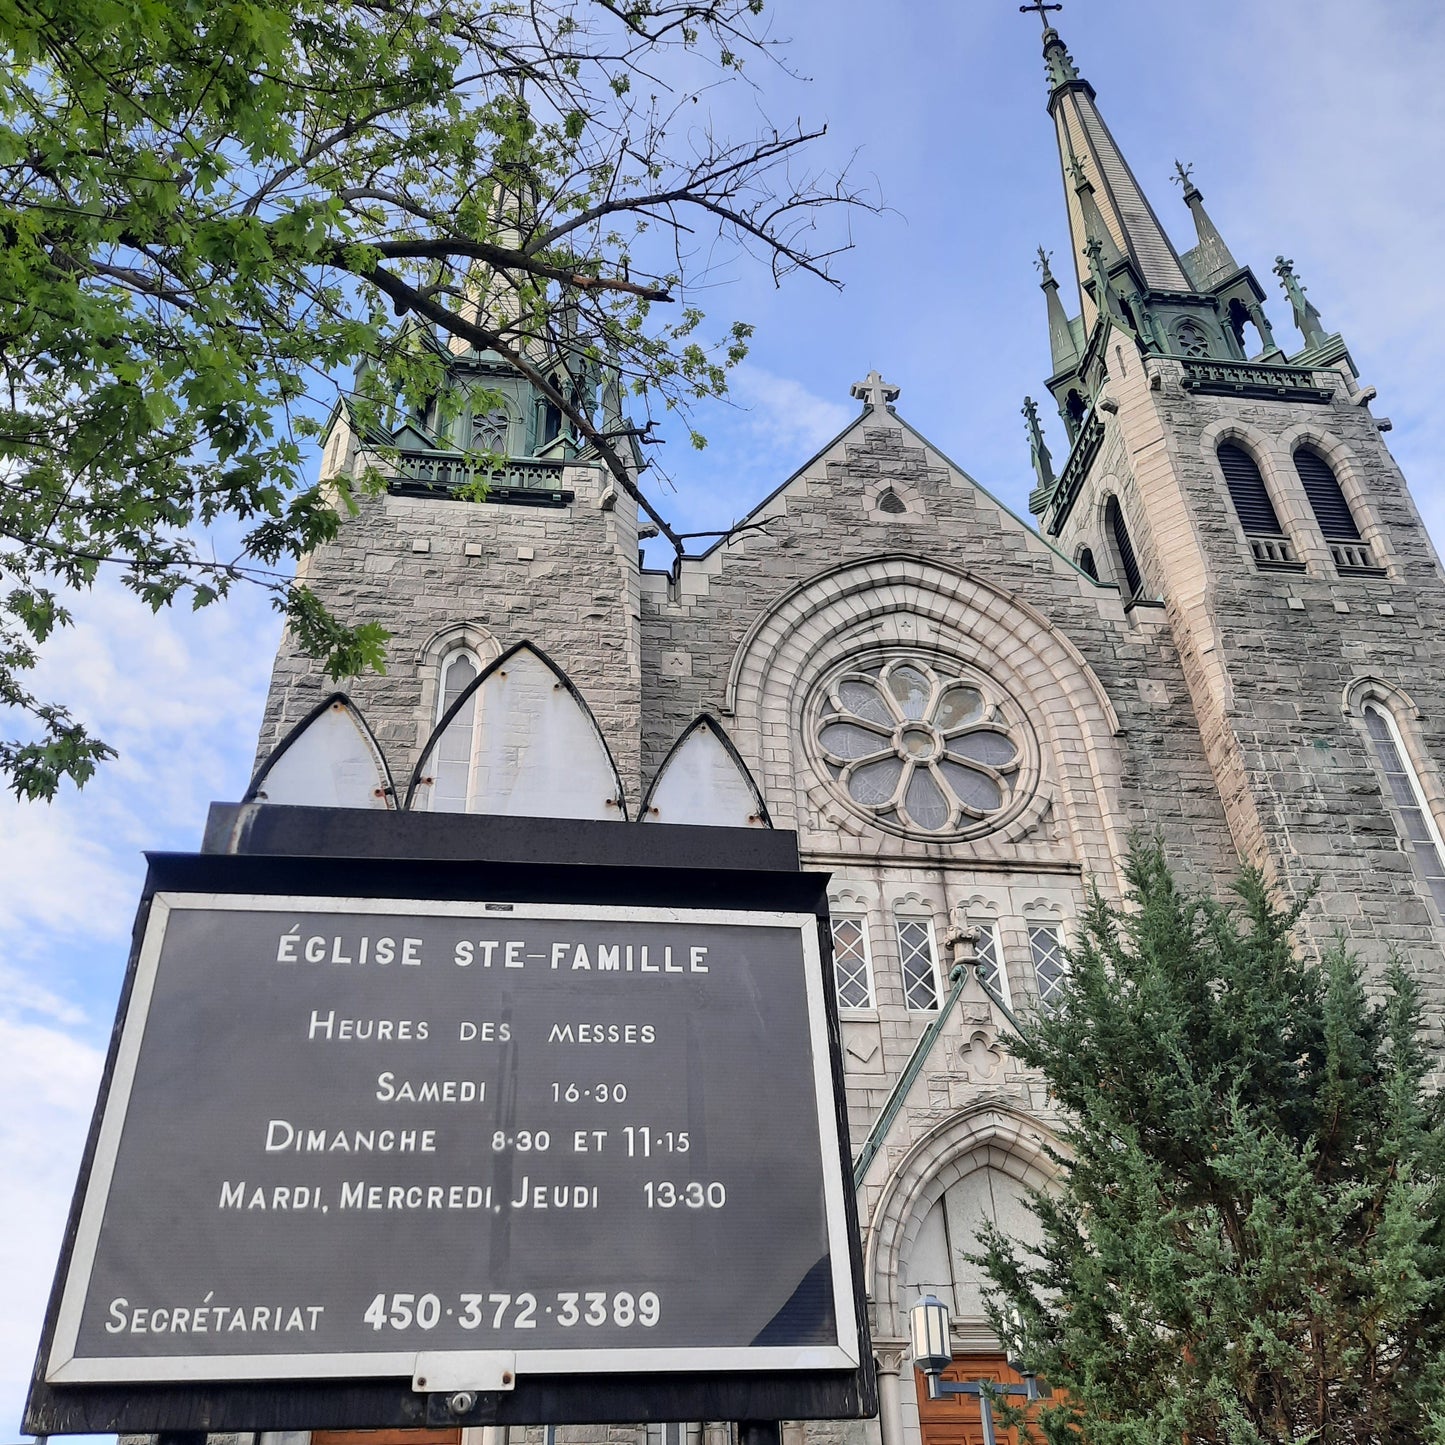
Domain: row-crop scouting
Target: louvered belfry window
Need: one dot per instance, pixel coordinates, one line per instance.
(1133, 578)
(1327, 501)
(1252, 504)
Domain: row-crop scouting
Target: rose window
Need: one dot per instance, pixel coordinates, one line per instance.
(915, 744)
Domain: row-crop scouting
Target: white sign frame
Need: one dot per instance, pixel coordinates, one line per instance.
(64, 1367)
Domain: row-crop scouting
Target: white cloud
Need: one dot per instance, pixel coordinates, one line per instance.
(47, 1090)
(781, 412)
(179, 695)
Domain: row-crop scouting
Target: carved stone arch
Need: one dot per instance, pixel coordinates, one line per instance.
(990, 1134)
(538, 750)
(1336, 451)
(1263, 452)
(978, 905)
(1109, 488)
(1361, 689)
(915, 904)
(704, 780)
(857, 892)
(431, 658)
(1350, 473)
(1281, 486)
(1231, 429)
(900, 601)
(1406, 715)
(1044, 909)
(330, 759)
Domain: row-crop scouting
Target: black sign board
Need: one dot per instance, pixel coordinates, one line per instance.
(499, 1145)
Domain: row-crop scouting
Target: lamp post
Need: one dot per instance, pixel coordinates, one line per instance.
(930, 1330)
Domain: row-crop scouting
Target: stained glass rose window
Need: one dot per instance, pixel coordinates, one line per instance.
(919, 744)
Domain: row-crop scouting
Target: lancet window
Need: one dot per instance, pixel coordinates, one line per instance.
(1046, 944)
(1413, 815)
(1128, 560)
(453, 761)
(1332, 511)
(1254, 507)
(990, 956)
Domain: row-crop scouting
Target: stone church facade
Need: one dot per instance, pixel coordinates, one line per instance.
(1225, 626)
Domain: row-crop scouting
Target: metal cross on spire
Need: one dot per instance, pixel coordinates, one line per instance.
(1042, 9)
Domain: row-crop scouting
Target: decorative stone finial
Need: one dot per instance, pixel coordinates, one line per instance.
(1042, 265)
(1039, 455)
(874, 391)
(1076, 173)
(1184, 176)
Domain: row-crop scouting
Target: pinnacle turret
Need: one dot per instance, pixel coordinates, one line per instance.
(1211, 260)
(1063, 348)
(1306, 317)
(1043, 462)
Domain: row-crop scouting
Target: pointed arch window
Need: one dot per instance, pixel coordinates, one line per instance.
(1255, 508)
(491, 431)
(459, 670)
(1087, 564)
(1332, 511)
(1124, 548)
(1075, 409)
(515, 739)
(1417, 824)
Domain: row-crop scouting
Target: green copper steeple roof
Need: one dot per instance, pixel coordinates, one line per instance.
(1113, 201)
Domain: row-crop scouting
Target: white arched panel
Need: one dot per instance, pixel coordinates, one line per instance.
(535, 749)
(703, 781)
(330, 760)
(949, 1233)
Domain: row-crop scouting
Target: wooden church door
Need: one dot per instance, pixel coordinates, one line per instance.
(956, 1419)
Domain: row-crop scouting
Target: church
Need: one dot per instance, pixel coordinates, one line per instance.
(1223, 624)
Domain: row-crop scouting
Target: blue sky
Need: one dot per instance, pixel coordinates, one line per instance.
(1317, 129)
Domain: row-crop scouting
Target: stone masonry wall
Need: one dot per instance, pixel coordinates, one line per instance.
(1270, 655)
(563, 578)
(1159, 780)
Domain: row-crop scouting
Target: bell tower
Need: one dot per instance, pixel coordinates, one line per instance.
(1235, 486)
(494, 525)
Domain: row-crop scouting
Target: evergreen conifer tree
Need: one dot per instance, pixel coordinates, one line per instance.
(1245, 1244)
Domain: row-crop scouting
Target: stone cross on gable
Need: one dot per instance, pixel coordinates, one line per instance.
(874, 391)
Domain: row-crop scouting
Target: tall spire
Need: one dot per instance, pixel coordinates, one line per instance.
(1121, 215)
